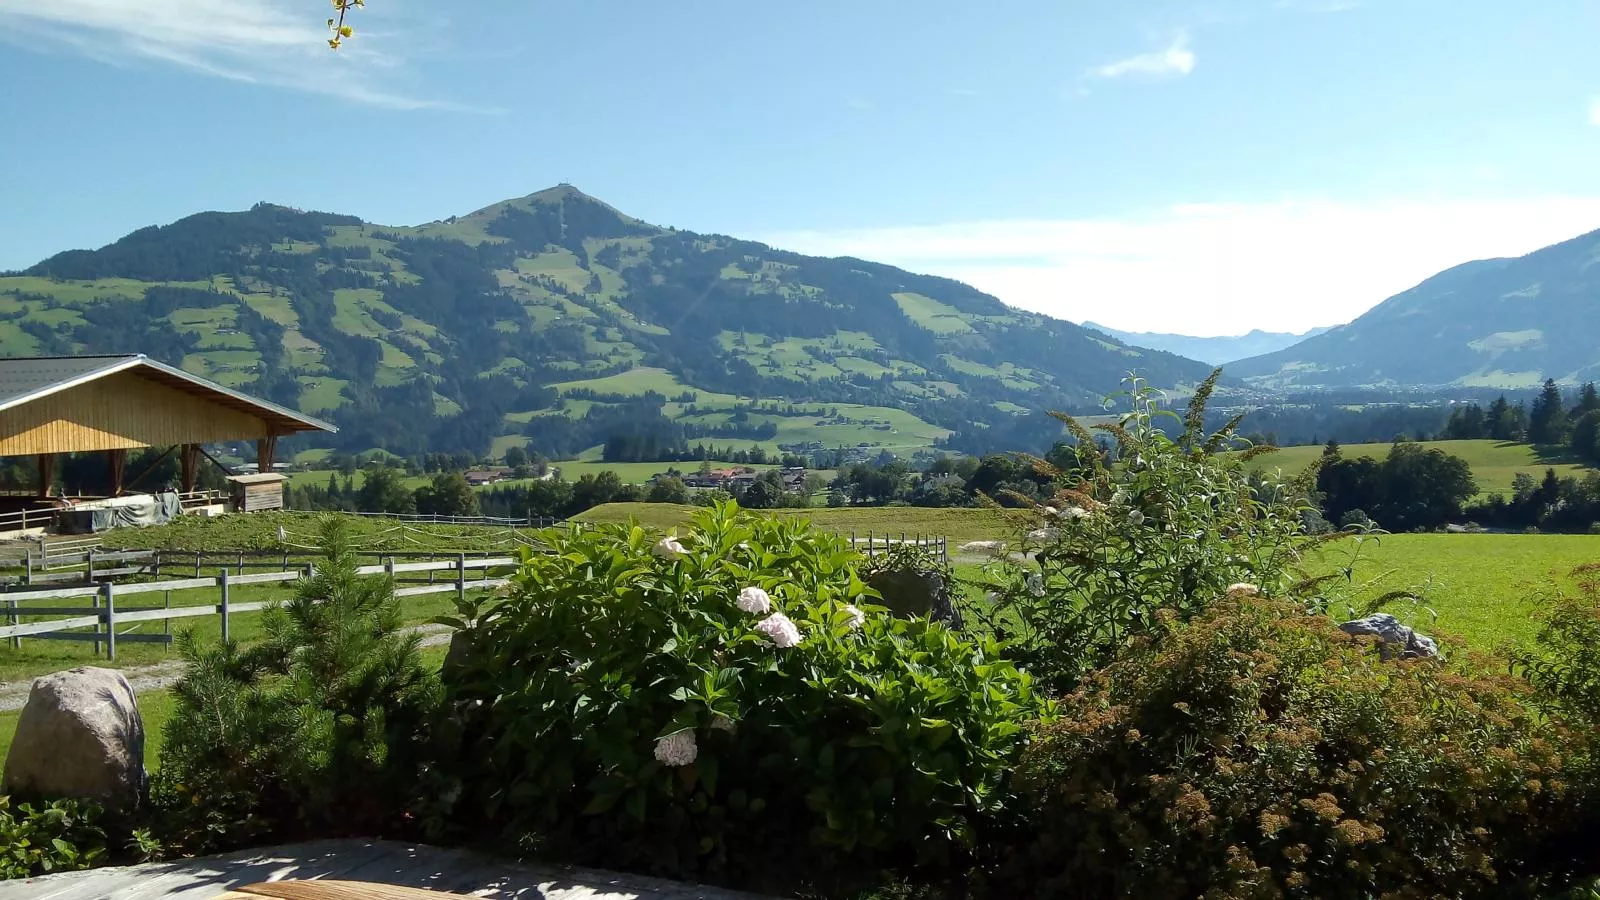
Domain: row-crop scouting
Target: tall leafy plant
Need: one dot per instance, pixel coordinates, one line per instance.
(1142, 531)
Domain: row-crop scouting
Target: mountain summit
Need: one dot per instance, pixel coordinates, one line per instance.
(557, 319)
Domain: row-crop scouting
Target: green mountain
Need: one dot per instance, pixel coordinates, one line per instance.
(556, 319)
(1496, 323)
(1214, 350)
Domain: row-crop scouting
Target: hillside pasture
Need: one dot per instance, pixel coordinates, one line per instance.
(1494, 463)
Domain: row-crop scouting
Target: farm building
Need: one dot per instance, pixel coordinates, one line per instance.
(113, 404)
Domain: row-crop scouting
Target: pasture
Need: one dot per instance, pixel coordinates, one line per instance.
(1494, 463)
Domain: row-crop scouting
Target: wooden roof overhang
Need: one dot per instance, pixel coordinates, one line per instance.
(78, 404)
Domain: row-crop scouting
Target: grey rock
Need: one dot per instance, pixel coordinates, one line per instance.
(79, 736)
(1396, 639)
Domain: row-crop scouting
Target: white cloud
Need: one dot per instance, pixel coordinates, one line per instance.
(1176, 59)
(1217, 268)
(256, 41)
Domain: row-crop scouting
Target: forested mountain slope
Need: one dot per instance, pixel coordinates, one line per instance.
(557, 319)
(1498, 323)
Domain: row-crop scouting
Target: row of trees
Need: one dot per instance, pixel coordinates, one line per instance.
(1552, 421)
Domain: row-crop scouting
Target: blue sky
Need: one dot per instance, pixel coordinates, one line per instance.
(1203, 166)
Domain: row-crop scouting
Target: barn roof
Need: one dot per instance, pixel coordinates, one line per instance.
(25, 379)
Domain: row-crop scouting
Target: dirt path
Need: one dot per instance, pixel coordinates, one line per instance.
(162, 675)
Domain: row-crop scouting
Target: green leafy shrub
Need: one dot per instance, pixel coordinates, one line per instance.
(317, 730)
(1160, 526)
(1566, 667)
(1259, 752)
(60, 836)
(643, 703)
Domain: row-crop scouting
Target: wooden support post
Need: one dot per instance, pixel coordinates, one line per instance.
(95, 603)
(189, 464)
(197, 564)
(461, 578)
(47, 473)
(110, 590)
(12, 618)
(119, 464)
(88, 575)
(222, 581)
(266, 448)
(27, 566)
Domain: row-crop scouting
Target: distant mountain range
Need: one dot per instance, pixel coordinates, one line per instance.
(1494, 323)
(556, 320)
(1213, 350)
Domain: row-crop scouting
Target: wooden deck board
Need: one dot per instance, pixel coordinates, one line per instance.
(386, 862)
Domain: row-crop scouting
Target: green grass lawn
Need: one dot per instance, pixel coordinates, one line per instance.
(960, 525)
(1494, 463)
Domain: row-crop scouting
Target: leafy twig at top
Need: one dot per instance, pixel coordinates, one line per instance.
(337, 26)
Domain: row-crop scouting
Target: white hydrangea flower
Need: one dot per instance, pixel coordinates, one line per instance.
(669, 548)
(1036, 584)
(1051, 511)
(677, 749)
(754, 600)
(1044, 535)
(857, 617)
(1075, 512)
(723, 723)
(1136, 517)
(780, 629)
(1248, 590)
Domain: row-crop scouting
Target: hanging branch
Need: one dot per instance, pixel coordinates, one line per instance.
(337, 26)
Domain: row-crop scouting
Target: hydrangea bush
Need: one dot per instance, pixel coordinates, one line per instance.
(729, 702)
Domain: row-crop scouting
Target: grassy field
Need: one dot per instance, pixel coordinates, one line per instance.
(959, 525)
(1494, 463)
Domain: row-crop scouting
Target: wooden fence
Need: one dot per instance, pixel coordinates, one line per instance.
(104, 616)
(876, 544)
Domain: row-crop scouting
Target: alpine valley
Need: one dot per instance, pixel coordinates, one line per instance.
(556, 321)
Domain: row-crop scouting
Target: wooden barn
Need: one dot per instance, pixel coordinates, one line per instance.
(113, 404)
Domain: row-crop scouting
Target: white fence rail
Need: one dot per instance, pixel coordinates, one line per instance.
(104, 616)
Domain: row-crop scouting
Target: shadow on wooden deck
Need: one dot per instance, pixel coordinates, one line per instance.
(385, 862)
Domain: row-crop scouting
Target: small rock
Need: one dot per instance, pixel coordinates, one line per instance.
(79, 736)
(1395, 638)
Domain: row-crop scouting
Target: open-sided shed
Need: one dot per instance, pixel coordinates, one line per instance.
(113, 404)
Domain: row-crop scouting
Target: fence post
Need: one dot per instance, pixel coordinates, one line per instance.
(241, 564)
(11, 616)
(89, 574)
(95, 604)
(222, 580)
(156, 567)
(111, 621)
(461, 578)
(285, 562)
(197, 564)
(388, 568)
(27, 567)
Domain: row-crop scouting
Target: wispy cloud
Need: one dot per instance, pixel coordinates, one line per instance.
(1176, 59)
(254, 41)
(1319, 6)
(1217, 268)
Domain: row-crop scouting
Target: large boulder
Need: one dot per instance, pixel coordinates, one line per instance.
(1396, 639)
(79, 736)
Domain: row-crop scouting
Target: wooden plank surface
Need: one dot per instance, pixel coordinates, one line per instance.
(331, 889)
(429, 872)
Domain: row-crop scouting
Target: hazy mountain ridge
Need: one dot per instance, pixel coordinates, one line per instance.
(557, 318)
(1214, 350)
